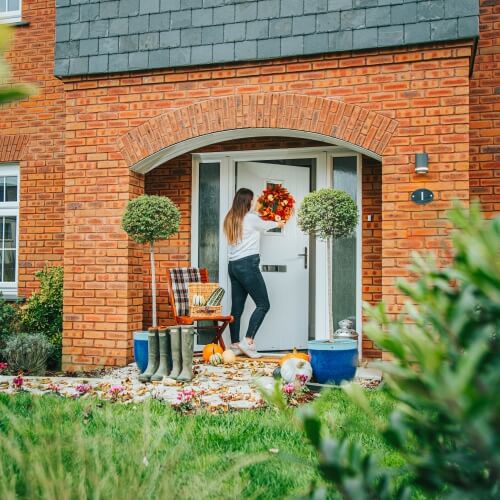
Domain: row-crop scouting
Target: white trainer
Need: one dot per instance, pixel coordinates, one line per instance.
(236, 349)
(249, 349)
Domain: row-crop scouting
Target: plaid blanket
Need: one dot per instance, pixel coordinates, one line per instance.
(180, 277)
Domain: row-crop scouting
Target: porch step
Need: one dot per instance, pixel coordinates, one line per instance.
(266, 358)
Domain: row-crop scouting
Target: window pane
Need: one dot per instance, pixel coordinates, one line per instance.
(13, 5)
(11, 188)
(9, 232)
(344, 250)
(208, 219)
(9, 265)
(2, 187)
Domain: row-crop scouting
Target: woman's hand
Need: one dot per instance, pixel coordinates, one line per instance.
(281, 224)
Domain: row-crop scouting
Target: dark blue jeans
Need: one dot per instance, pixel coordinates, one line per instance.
(246, 279)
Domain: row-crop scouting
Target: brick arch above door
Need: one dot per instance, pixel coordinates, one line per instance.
(214, 120)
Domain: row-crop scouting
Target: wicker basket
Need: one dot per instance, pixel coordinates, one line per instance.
(205, 290)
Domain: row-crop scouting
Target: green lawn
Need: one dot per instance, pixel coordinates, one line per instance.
(55, 448)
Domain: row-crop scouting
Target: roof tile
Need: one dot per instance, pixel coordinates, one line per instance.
(142, 34)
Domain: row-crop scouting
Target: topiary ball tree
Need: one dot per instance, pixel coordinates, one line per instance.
(328, 214)
(148, 219)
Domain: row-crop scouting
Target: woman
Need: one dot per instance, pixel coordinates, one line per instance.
(243, 228)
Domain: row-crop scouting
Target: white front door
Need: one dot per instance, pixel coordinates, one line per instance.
(284, 261)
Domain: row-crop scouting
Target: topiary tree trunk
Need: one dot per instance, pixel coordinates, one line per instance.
(153, 282)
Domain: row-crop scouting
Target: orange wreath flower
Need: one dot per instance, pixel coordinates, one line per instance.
(276, 204)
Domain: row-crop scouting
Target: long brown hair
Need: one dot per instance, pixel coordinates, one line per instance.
(233, 222)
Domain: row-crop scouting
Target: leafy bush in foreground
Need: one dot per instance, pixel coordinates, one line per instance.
(444, 379)
(10, 92)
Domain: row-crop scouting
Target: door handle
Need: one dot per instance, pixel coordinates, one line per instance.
(305, 257)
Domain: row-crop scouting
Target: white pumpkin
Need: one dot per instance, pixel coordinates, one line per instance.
(293, 367)
(229, 357)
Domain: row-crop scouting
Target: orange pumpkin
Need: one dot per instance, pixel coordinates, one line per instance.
(295, 354)
(210, 349)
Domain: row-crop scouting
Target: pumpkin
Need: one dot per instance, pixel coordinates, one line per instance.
(228, 357)
(293, 367)
(295, 354)
(210, 349)
(216, 359)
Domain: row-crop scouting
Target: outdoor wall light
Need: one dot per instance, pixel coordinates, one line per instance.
(421, 163)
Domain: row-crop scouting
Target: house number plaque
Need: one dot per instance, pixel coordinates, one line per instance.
(422, 196)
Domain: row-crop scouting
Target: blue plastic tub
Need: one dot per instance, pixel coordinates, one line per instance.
(333, 362)
(141, 350)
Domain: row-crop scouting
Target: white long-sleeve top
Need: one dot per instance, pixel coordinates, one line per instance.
(253, 226)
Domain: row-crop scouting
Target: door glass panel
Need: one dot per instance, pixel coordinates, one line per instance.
(272, 185)
(209, 219)
(344, 250)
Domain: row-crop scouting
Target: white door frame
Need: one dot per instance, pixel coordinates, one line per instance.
(324, 178)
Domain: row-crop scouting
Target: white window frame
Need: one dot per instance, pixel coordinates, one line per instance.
(9, 289)
(11, 16)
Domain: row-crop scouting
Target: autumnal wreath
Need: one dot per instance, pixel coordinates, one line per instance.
(276, 203)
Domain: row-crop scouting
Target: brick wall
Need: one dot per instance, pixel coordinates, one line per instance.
(485, 112)
(426, 90)
(32, 133)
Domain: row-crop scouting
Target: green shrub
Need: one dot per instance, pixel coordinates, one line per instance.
(446, 369)
(151, 218)
(27, 353)
(328, 213)
(42, 312)
(8, 320)
(443, 379)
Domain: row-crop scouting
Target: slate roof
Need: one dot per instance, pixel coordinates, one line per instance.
(124, 35)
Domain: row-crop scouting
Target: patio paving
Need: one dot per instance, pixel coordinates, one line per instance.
(215, 387)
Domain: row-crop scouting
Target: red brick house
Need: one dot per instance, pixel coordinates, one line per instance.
(192, 99)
